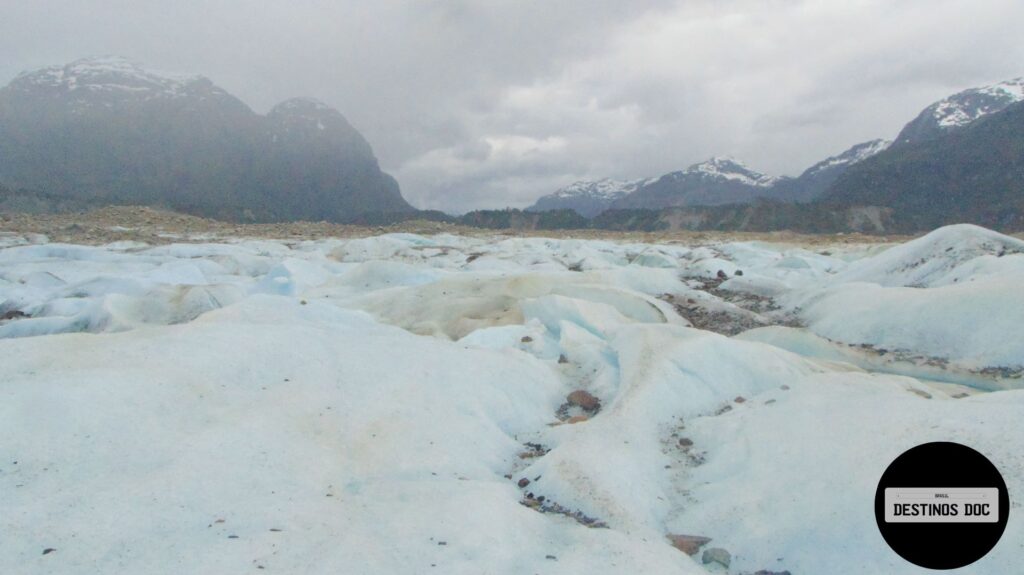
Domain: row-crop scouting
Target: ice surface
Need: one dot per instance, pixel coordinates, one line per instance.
(370, 405)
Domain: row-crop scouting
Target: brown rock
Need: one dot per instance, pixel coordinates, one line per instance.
(584, 400)
(740, 399)
(577, 419)
(689, 544)
(523, 483)
(685, 442)
(722, 275)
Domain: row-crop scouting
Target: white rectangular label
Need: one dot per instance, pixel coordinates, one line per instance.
(941, 505)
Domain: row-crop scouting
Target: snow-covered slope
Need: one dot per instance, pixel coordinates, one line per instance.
(400, 404)
(856, 154)
(815, 181)
(962, 109)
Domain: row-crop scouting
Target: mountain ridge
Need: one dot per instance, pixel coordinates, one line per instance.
(108, 129)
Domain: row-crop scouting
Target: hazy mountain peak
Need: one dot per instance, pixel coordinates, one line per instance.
(303, 106)
(107, 74)
(108, 130)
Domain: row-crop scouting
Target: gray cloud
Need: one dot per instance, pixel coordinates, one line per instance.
(487, 104)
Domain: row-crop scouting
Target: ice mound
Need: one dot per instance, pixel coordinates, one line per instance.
(455, 306)
(953, 295)
(939, 259)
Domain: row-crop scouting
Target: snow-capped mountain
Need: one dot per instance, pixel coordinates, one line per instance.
(815, 181)
(971, 174)
(727, 169)
(961, 109)
(108, 129)
(713, 182)
(588, 198)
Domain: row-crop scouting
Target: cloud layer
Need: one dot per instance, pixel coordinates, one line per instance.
(493, 103)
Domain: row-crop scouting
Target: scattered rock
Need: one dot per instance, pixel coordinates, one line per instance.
(767, 572)
(584, 400)
(523, 483)
(739, 272)
(526, 339)
(784, 388)
(48, 550)
(533, 450)
(577, 419)
(716, 555)
(961, 395)
(722, 275)
(685, 442)
(540, 505)
(13, 314)
(563, 359)
(551, 557)
(769, 402)
(921, 393)
(724, 409)
(689, 544)
(740, 399)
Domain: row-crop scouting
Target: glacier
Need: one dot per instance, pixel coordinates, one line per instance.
(374, 405)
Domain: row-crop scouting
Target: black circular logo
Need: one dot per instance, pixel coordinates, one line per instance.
(942, 505)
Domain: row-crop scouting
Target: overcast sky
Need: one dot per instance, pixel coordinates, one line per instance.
(493, 103)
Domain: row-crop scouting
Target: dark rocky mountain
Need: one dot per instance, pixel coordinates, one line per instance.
(714, 182)
(816, 180)
(973, 174)
(587, 198)
(104, 130)
(960, 110)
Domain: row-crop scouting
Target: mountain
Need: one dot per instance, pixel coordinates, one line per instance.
(714, 182)
(973, 174)
(960, 110)
(107, 130)
(815, 181)
(587, 198)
